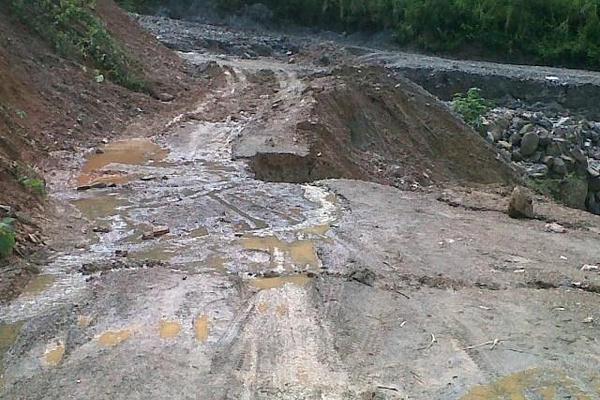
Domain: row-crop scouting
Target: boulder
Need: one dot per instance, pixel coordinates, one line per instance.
(521, 203)
(559, 167)
(573, 192)
(529, 143)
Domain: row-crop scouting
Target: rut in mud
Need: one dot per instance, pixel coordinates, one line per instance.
(180, 275)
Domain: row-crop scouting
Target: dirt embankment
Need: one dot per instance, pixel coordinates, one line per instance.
(51, 107)
(402, 136)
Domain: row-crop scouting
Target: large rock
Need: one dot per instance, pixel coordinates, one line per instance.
(559, 167)
(521, 203)
(573, 192)
(529, 143)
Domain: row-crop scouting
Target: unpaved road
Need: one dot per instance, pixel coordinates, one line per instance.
(338, 289)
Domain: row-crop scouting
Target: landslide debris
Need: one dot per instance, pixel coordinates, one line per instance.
(364, 123)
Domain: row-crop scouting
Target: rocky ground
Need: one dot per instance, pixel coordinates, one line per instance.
(271, 242)
(559, 152)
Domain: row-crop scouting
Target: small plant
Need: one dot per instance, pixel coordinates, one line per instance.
(36, 185)
(471, 107)
(28, 178)
(21, 114)
(7, 237)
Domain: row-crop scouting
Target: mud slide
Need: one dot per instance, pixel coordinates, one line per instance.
(180, 275)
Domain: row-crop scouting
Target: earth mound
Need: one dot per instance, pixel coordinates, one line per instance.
(363, 123)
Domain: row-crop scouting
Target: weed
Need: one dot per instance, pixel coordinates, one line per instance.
(7, 237)
(37, 186)
(471, 107)
(75, 31)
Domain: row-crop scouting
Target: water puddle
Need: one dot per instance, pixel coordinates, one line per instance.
(199, 232)
(100, 207)
(161, 252)
(37, 285)
(169, 329)
(114, 338)
(317, 230)
(201, 328)
(216, 263)
(301, 253)
(54, 354)
(530, 384)
(279, 282)
(8, 336)
(137, 151)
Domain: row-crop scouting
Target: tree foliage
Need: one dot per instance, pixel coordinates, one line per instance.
(561, 32)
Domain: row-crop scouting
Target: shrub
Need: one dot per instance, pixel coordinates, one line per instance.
(74, 30)
(471, 107)
(7, 237)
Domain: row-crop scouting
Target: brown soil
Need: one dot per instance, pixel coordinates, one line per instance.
(402, 136)
(51, 108)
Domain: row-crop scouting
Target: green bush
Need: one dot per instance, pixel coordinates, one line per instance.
(74, 30)
(7, 237)
(472, 107)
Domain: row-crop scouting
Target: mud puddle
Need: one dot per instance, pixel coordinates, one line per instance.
(300, 254)
(114, 338)
(137, 151)
(279, 282)
(530, 384)
(38, 284)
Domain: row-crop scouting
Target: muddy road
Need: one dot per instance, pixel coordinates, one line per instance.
(190, 279)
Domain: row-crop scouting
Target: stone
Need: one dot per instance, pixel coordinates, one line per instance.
(555, 228)
(504, 145)
(166, 97)
(160, 231)
(364, 276)
(569, 162)
(573, 192)
(529, 144)
(537, 171)
(526, 129)
(548, 160)
(544, 135)
(559, 167)
(515, 139)
(594, 183)
(521, 203)
(516, 156)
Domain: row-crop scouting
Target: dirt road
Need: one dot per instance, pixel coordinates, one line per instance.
(192, 280)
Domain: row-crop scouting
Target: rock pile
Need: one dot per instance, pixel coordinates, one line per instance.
(559, 151)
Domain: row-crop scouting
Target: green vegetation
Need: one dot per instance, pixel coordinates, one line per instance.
(472, 107)
(35, 185)
(29, 179)
(561, 32)
(7, 237)
(73, 28)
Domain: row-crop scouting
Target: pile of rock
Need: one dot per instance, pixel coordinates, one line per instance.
(551, 146)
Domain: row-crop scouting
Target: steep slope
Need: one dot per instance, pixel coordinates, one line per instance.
(51, 105)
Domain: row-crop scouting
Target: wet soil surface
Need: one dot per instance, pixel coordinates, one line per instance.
(179, 275)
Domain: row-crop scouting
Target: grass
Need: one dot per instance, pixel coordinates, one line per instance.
(7, 237)
(75, 31)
